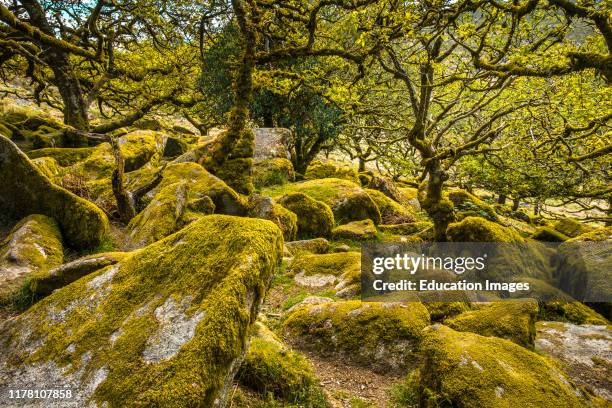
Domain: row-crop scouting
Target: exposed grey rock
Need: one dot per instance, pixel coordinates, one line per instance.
(271, 142)
(584, 350)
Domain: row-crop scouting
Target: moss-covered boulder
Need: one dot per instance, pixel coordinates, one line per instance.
(317, 271)
(270, 367)
(331, 169)
(383, 336)
(584, 268)
(166, 326)
(267, 209)
(547, 234)
(203, 184)
(512, 257)
(138, 148)
(314, 218)
(312, 246)
(511, 320)
(49, 167)
(557, 305)
(364, 230)
(571, 227)
(44, 282)
(462, 369)
(65, 156)
(160, 218)
(175, 146)
(348, 201)
(25, 190)
(26, 118)
(272, 172)
(33, 245)
(391, 212)
(467, 204)
(385, 186)
(477, 229)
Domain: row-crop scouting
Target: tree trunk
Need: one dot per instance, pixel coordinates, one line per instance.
(125, 204)
(536, 207)
(362, 165)
(515, 203)
(441, 211)
(231, 158)
(75, 108)
(609, 213)
(501, 199)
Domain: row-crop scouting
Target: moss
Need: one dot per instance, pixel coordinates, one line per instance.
(265, 208)
(175, 146)
(314, 218)
(48, 166)
(201, 183)
(461, 369)
(557, 305)
(364, 179)
(405, 228)
(547, 234)
(391, 211)
(573, 312)
(272, 172)
(467, 204)
(330, 169)
(312, 246)
(476, 229)
(33, 245)
(138, 148)
(44, 138)
(346, 265)
(348, 201)
(511, 320)
(599, 234)
(26, 117)
(27, 191)
(217, 271)
(357, 230)
(570, 227)
(65, 156)
(162, 217)
(443, 310)
(44, 282)
(270, 367)
(381, 335)
(203, 205)
(6, 132)
(583, 269)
